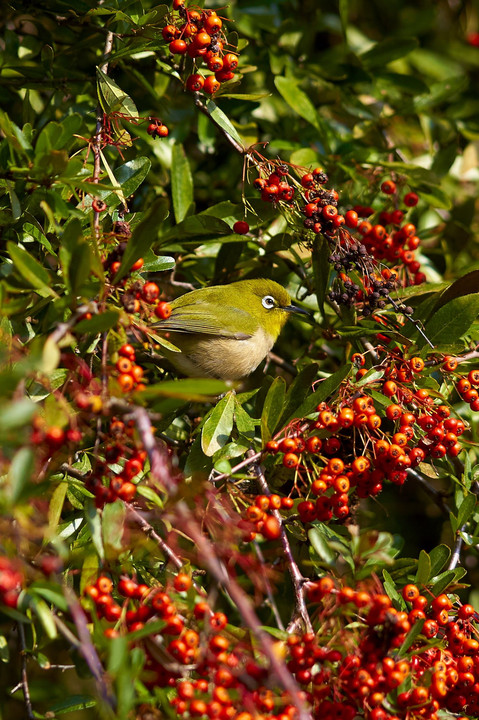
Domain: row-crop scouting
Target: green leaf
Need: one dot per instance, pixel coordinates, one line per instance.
(55, 509)
(112, 98)
(17, 414)
(98, 323)
(143, 237)
(451, 321)
(326, 388)
(272, 408)
(71, 704)
(320, 544)
(410, 638)
(113, 527)
(181, 183)
(128, 177)
(423, 569)
(445, 579)
(388, 50)
(45, 616)
(466, 285)
(321, 270)
(222, 120)
(297, 100)
(192, 390)
(298, 391)
(30, 269)
(94, 524)
(217, 428)
(466, 510)
(20, 472)
(439, 557)
(390, 589)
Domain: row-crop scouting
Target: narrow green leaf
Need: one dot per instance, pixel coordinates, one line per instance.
(128, 177)
(445, 579)
(181, 183)
(423, 569)
(439, 557)
(410, 638)
(326, 388)
(297, 100)
(298, 391)
(98, 323)
(71, 704)
(113, 526)
(45, 616)
(222, 120)
(113, 98)
(94, 524)
(320, 544)
(190, 390)
(217, 428)
(272, 408)
(20, 472)
(466, 510)
(30, 269)
(55, 509)
(390, 588)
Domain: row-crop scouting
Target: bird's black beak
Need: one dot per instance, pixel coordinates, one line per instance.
(299, 310)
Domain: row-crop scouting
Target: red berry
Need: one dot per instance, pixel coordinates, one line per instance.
(195, 82)
(178, 47)
(163, 310)
(411, 199)
(388, 187)
(241, 227)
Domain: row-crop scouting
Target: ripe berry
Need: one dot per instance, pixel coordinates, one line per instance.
(224, 75)
(230, 61)
(195, 82)
(241, 227)
(163, 310)
(150, 292)
(98, 205)
(411, 199)
(178, 47)
(388, 187)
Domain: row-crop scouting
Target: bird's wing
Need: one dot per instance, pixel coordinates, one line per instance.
(210, 319)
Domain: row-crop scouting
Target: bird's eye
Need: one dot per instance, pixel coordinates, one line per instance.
(268, 302)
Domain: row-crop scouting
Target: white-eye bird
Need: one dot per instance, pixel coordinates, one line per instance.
(225, 331)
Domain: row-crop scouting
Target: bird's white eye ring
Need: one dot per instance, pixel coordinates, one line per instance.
(268, 302)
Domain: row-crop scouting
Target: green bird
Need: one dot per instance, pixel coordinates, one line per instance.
(225, 331)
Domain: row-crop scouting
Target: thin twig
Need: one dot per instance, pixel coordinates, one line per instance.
(456, 554)
(63, 328)
(296, 577)
(242, 601)
(24, 682)
(244, 463)
(159, 465)
(164, 547)
(87, 648)
(96, 145)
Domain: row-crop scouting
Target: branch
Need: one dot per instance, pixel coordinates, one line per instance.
(24, 682)
(206, 552)
(296, 576)
(166, 549)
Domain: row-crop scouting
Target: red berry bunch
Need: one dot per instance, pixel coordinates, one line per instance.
(10, 583)
(355, 444)
(355, 669)
(157, 129)
(130, 373)
(105, 481)
(112, 262)
(199, 34)
(259, 518)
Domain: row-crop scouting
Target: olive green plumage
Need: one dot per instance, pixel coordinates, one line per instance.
(225, 331)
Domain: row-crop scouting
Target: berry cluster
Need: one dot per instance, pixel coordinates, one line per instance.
(10, 583)
(363, 672)
(157, 129)
(199, 35)
(112, 262)
(259, 518)
(362, 443)
(53, 437)
(105, 482)
(130, 373)
(148, 293)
